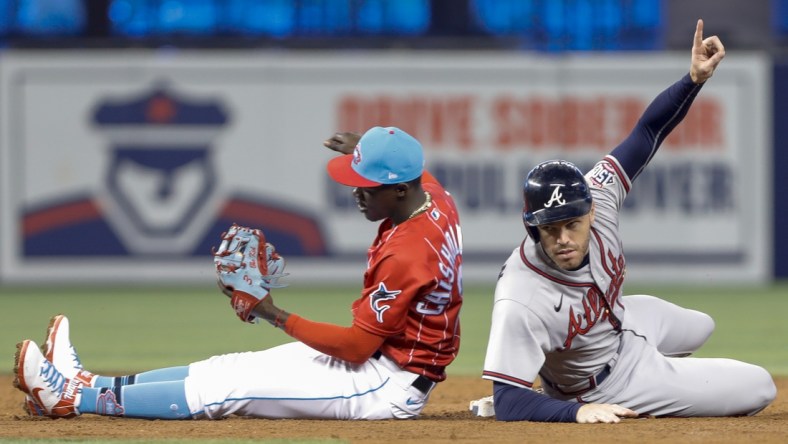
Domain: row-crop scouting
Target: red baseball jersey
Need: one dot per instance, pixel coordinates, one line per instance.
(413, 287)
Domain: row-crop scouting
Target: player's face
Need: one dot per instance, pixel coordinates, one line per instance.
(566, 242)
(377, 203)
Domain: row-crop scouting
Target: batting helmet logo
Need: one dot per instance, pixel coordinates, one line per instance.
(554, 191)
(556, 197)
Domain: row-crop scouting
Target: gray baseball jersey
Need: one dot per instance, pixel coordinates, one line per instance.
(590, 344)
(565, 322)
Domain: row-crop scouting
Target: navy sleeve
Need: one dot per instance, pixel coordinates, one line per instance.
(657, 121)
(520, 404)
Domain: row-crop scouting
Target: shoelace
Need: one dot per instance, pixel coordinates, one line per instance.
(53, 378)
(75, 358)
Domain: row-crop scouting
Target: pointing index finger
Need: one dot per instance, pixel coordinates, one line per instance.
(699, 34)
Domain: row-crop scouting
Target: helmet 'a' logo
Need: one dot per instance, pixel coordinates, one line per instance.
(556, 197)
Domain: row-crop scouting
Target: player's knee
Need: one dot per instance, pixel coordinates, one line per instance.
(699, 327)
(763, 389)
(769, 388)
(706, 325)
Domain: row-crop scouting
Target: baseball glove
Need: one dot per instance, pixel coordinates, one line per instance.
(247, 268)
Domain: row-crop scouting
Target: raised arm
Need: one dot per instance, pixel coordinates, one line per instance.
(706, 55)
(669, 107)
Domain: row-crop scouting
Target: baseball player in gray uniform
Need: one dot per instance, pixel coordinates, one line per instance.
(558, 311)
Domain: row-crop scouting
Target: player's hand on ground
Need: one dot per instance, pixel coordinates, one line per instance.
(343, 143)
(706, 55)
(607, 413)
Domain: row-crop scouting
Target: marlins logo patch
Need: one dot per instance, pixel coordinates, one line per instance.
(377, 299)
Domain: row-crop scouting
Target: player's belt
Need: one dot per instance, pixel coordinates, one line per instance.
(422, 383)
(592, 381)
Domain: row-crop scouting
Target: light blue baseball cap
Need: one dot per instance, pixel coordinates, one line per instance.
(383, 156)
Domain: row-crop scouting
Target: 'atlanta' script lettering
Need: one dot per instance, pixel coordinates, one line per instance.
(596, 305)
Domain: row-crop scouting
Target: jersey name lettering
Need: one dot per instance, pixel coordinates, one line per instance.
(451, 271)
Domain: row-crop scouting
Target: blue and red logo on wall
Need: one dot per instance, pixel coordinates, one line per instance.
(159, 196)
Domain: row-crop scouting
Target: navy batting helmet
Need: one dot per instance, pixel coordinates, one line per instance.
(553, 191)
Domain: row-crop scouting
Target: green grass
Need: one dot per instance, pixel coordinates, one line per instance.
(133, 329)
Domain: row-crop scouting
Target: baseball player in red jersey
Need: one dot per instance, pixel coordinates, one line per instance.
(405, 328)
(413, 283)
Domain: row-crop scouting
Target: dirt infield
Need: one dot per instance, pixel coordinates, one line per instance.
(446, 419)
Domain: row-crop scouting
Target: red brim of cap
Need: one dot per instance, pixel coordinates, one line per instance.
(340, 170)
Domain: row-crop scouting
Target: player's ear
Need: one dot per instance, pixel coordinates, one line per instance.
(402, 189)
(592, 213)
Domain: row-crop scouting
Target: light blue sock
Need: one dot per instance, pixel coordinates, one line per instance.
(158, 375)
(153, 400)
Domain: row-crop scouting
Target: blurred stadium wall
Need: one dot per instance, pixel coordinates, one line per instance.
(134, 131)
